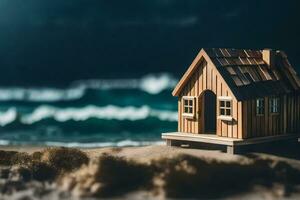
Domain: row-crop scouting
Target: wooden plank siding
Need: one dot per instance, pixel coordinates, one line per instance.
(245, 124)
(272, 124)
(206, 77)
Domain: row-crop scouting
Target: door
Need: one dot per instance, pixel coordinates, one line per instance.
(207, 112)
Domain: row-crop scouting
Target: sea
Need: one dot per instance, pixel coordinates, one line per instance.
(90, 113)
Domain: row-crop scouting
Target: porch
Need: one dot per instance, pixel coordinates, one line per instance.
(179, 138)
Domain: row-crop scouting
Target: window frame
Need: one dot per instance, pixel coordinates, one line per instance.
(260, 107)
(192, 106)
(225, 116)
(274, 105)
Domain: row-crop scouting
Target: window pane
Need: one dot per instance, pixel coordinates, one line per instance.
(222, 103)
(271, 105)
(228, 112)
(274, 105)
(228, 104)
(186, 109)
(190, 102)
(185, 102)
(222, 111)
(191, 110)
(260, 106)
(273, 109)
(260, 102)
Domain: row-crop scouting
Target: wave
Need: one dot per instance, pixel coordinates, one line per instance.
(8, 117)
(109, 112)
(152, 84)
(40, 94)
(122, 143)
(5, 142)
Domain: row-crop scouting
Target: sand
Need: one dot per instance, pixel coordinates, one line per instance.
(168, 182)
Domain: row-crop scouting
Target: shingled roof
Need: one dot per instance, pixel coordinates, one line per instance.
(249, 76)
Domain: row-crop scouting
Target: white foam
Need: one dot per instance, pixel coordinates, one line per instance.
(107, 112)
(156, 84)
(4, 142)
(152, 84)
(78, 144)
(8, 117)
(40, 94)
(123, 143)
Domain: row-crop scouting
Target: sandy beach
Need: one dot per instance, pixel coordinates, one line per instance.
(149, 172)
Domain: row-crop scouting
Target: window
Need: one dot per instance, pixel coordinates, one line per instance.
(260, 106)
(274, 105)
(188, 106)
(225, 107)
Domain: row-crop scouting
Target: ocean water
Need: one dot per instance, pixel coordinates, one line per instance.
(90, 113)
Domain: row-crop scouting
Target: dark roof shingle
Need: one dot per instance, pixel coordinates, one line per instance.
(248, 76)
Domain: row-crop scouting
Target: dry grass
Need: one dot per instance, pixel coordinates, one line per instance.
(21, 173)
(119, 176)
(45, 165)
(64, 159)
(21, 158)
(37, 155)
(41, 171)
(190, 177)
(6, 156)
(185, 177)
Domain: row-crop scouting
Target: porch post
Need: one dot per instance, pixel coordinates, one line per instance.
(231, 149)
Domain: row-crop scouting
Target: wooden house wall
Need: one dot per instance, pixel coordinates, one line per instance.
(285, 122)
(206, 77)
(293, 114)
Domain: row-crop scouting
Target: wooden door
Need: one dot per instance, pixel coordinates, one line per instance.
(206, 112)
(209, 112)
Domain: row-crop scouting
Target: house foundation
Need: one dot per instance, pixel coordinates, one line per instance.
(232, 145)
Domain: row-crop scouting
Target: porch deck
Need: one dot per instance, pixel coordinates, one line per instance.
(231, 143)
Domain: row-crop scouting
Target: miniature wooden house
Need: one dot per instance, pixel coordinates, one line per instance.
(237, 94)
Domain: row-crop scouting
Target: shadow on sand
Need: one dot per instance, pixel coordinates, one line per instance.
(284, 149)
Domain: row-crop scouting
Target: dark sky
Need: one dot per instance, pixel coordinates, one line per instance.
(57, 41)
